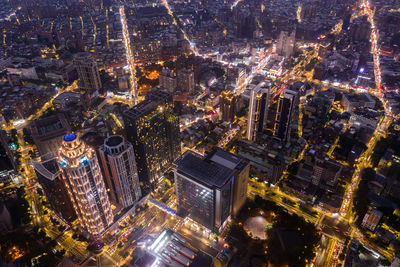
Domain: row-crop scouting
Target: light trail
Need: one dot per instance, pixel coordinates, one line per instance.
(337, 28)
(9, 16)
(298, 14)
(394, 10)
(192, 44)
(235, 4)
(107, 30)
(108, 35)
(129, 56)
(193, 47)
(261, 65)
(365, 5)
(94, 30)
(4, 37)
(383, 124)
(83, 32)
(357, 14)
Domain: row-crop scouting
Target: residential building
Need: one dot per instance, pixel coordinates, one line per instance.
(49, 175)
(118, 161)
(258, 110)
(168, 80)
(287, 104)
(371, 219)
(265, 164)
(227, 106)
(285, 43)
(185, 80)
(88, 72)
(352, 101)
(153, 130)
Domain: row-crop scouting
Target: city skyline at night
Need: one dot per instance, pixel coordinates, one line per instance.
(220, 133)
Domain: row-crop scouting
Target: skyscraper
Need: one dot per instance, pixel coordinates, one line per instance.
(287, 103)
(228, 104)
(85, 185)
(120, 171)
(153, 130)
(49, 176)
(285, 43)
(88, 73)
(210, 189)
(186, 80)
(241, 168)
(258, 110)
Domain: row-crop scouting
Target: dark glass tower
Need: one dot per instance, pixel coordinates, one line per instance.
(287, 104)
(211, 189)
(153, 130)
(50, 178)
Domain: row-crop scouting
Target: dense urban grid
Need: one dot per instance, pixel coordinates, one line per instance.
(200, 133)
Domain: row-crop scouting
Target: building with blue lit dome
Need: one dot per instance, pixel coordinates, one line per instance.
(85, 185)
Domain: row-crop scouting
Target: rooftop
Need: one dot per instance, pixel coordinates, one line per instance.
(69, 137)
(114, 140)
(206, 172)
(227, 159)
(153, 99)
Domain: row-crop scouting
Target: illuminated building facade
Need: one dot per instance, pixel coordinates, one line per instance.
(88, 73)
(49, 176)
(153, 130)
(209, 190)
(85, 185)
(118, 161)
(228, 103)
(258, 110)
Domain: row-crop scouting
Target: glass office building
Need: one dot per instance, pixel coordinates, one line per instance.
(204, 190)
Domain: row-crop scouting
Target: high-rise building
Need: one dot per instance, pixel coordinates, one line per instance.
(209, 190)
(287, 104)
(258, 110)
(241, 168)
(228, 104)
(49, 176)
(88, 73)
(153, 130)
(285, 43)
(47, 133)
(118, 161)
(168, 80)
(186, 80)
(85, 185)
